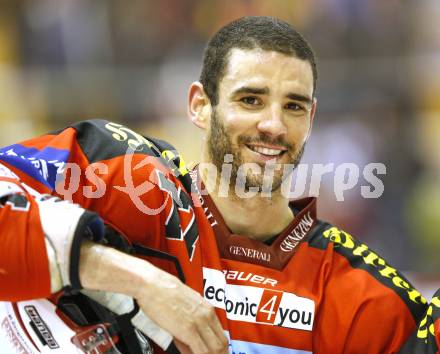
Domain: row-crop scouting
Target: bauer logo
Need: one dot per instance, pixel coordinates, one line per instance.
(258, 305)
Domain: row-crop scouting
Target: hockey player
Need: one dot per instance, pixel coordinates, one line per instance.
(280, 279)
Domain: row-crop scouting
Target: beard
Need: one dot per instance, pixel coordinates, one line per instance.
(220, 144)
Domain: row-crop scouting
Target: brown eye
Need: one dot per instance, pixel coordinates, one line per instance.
(250, 100)
(294, 107)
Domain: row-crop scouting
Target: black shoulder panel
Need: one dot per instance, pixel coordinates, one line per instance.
(360, 256)
(315, 238)
(423, 340)
(102, 140)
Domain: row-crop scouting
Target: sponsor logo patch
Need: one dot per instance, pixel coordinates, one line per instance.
(43, 165)
(250, 277)
(381, 270)
(41, 329)
(258, 305)
(249, 253)
(12, 336)
(298, 233)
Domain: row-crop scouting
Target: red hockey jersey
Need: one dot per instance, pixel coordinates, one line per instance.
(314, 289)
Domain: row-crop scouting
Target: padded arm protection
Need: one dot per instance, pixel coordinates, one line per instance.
(35, 217)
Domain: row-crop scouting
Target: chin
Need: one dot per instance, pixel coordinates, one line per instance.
(264, 185)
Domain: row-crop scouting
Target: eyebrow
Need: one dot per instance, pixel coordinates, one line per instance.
(265, 91)
(298, 97)
(254, 90)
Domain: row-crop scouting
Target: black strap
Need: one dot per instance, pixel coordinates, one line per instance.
(172, 349)
(151, 252)
(127, 332)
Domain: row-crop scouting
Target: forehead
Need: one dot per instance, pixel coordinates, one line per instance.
(275, 70)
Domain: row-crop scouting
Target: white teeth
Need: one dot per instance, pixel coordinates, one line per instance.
(266, 151)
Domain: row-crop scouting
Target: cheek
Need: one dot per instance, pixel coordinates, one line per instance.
(237, 123)
(298, 132)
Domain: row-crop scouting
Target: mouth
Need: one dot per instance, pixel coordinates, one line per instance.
(267, 151)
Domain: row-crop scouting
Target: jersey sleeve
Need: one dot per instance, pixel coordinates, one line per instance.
(24, 267)
(40, 235)
(425, 339)
(370, 307)
(135, 183)
(140, 186)
(127, 178)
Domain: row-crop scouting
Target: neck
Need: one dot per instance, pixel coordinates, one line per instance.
(248, 213)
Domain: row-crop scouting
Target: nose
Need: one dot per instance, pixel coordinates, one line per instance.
(273, 124)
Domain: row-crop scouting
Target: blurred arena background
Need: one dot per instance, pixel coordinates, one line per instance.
(132, 61)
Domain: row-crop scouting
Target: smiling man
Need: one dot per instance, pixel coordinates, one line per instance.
(259, 115)
(278, 279)
(256, 103)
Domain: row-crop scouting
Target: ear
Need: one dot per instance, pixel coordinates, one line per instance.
(199, 105)
(312, 116)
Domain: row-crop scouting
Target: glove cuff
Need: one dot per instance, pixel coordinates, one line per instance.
(91, 227)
